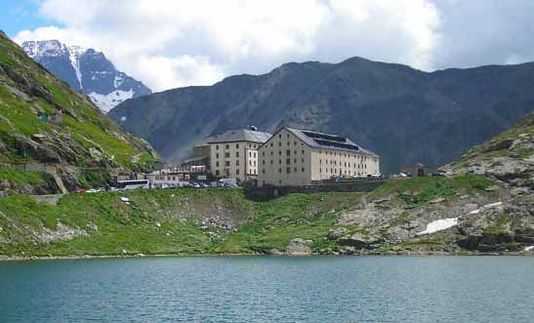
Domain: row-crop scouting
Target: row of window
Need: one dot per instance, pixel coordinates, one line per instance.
(227, 146)
(334, 162)
(237, 172)
(288, 161)
(288, 170)
(227, 163)
(341, 171)
(288, 152)
(251, 154)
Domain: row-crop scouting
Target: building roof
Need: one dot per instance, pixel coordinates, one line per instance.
(240, 135)
(321, 140)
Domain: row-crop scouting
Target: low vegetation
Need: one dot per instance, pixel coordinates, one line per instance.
(420, 190)
(165, 222)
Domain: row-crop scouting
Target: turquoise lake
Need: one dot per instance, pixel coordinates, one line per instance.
(270, 289)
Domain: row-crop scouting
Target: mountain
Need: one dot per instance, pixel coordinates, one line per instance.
(484, 205)
(86, 71)
(405, 115)
(48, 130)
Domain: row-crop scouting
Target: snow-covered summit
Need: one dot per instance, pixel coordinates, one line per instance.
(86, 70)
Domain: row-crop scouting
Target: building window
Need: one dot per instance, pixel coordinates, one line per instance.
(237, 162)
(227, 155)
(288, 152)
(303, 169)
(271, 161)
(217, 173)
(217, 155)
(263, 153)
(237, 153)
(217, 164)
(280, 170)
(237, 171)
(288, 161)
(236, 145)
(288, 170)
(227, 147)
(263, 162)
(227, 163)
(263, 171)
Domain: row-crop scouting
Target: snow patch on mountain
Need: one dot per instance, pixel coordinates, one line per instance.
(107, 102)
(74, 56)
(87, 71)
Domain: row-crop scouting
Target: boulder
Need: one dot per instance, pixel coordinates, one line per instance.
(357, 240)
(336, 233)
(299, 247)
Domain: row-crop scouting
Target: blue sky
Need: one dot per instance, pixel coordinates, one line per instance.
(17, 15)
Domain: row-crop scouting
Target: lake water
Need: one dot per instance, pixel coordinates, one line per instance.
(270, 289)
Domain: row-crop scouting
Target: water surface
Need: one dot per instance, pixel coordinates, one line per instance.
(270, 289)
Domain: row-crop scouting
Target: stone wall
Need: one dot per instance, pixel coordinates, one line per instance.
(276, 191)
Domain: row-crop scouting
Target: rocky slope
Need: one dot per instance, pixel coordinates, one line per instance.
(86, 71)
(484, 205)
(52, 138)
(405, 115)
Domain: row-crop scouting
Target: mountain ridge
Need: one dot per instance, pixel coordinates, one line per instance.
(387, 107)
(87, 71)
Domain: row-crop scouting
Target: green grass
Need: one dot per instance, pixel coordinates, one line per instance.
(20, 177)
(84, 127)
(418, 191)
(305, 216)
(133, 228)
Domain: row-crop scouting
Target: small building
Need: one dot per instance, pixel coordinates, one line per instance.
(293, 157)
(169, 177)
(417, 170)
(234, 153)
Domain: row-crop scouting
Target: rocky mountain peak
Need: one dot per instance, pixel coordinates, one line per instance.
(87, 71)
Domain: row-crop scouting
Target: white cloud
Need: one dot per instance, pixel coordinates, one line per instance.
(170, 44)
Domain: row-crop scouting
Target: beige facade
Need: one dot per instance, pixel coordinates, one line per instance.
(300, 157)
(234, 154)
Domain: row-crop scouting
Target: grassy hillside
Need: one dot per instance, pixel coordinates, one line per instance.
(84, 138)
(181, 221)
(214, 221)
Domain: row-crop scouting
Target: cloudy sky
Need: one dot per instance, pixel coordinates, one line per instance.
(173, 43)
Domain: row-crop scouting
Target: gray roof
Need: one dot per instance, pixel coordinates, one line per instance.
(240, 135)
(316, 139)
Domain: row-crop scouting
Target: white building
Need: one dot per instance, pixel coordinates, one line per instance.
(234, 153)
(301, 157)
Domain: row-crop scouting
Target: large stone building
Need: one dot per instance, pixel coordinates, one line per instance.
(302, 157)
(234, 153)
